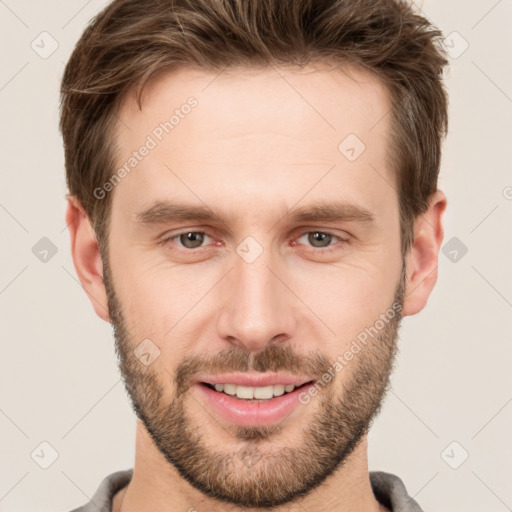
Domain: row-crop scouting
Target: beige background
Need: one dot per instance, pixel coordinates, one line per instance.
(59, 381)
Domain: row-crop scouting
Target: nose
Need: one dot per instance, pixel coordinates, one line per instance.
(256, 307)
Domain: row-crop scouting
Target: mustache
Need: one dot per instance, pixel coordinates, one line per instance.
(274, 358)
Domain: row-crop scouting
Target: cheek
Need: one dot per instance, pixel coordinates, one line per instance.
(155, 303)
(163, 301)
(160, 299)
(347, 298)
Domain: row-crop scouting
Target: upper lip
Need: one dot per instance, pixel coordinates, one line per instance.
(255, 380)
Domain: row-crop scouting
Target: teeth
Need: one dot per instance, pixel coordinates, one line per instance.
(230, 389)
(277, 391)
(245, 392)
(264, 393)
(250, 393)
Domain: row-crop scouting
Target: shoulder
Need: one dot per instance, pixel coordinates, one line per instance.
(391, 492)
(102, 498)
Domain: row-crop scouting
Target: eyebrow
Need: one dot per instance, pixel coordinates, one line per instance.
(163, 212)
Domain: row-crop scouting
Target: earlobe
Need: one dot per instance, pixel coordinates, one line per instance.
(422, 259)
(86, 256)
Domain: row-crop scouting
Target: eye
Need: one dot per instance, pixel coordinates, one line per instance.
(321, 239)
(189, 239)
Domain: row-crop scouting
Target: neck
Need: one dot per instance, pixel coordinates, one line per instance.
(157, 486)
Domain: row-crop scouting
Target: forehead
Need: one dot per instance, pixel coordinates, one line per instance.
(261, 133)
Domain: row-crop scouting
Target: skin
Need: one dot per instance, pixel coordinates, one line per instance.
(260, 144)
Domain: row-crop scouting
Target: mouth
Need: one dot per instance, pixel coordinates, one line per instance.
(255, 394)
(252, 406)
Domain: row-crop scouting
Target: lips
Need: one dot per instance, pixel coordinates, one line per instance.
(248, 410)
(256, 380)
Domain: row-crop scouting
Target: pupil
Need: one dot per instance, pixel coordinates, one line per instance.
(192, 239)
(322, 237)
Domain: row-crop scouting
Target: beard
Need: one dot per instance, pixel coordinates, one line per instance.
(253, 475)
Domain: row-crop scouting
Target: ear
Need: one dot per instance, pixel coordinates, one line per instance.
(422, 259)
(86, 256)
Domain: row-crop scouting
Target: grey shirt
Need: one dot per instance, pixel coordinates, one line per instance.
(388, 489)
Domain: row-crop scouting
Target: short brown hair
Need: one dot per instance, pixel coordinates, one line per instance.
(130, 40)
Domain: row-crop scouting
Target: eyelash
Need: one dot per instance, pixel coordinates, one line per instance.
(315, 249)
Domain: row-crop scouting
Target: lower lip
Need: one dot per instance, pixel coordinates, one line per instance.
(247, 413)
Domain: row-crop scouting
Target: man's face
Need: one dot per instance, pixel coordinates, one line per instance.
(260, 290)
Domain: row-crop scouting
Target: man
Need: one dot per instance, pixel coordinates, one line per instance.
(254, 207)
